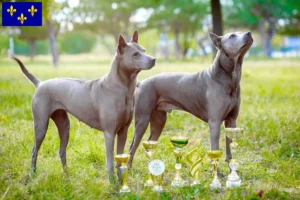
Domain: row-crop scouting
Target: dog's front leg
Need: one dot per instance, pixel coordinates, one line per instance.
(122, 137)
(231, 123)
(214, 128)
(109, 144)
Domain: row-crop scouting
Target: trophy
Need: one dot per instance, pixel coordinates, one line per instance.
(157, 169)
(215, 155)
(123, 159)
(149, 147)
(194, 159)
(178, 143)
(233, 179)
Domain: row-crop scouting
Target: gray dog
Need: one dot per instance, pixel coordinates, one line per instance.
(105, 104)
(212, 95)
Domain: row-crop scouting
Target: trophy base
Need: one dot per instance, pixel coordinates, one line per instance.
(195, 183)
(230, 184)
(215, 185)
(124, 189)
(157, 188)
(149, 183)
(180, 183)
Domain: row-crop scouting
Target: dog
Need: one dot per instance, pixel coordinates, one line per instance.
(105, 104)
(212, 95)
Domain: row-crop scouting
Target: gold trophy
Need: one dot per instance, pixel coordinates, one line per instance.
(123, 160)
(178, 143)
(149, 147)
(233, 179)
(194, 158)
(215, 155)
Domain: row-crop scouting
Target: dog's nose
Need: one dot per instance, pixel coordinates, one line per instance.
(153, 61)
(248, 33)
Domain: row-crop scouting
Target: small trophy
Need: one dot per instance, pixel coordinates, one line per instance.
(157, 169)
(194, 159)
(215, 155)
(233, 179)
(149, 149)
(123, 159)
(178, 143)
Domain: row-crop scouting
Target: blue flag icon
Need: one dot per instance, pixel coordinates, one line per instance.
(22, 14)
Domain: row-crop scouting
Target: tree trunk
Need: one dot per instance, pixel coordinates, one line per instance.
(216, 19)
(32, 49)
(202, 47)
(270, 34)
(186, 45)
(178, 48)
(52, 40)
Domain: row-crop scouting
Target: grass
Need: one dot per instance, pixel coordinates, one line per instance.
(269, 149)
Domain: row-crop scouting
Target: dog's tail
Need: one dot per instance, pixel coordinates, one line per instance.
(30, 76)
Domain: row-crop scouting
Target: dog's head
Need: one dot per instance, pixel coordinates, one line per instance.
(133, 55)
(232, 44)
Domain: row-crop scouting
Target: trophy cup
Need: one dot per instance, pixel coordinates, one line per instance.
(123, 159)
(194, 159)
(215, 155)
(149, 147)
(233, 179)
(157, 169)
(178, 143)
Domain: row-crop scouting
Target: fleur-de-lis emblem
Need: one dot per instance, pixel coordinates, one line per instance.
(11, 10)
(32, 10)
(22, 18)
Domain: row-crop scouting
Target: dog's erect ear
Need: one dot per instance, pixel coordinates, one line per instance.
(135, 37)
(216, 40)
(121, 44)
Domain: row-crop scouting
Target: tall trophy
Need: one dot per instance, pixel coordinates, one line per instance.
(149, 147)
(157, 169)
(214, 156)
(123, 160)
(194, 158)
(233, 179)
(178, 143)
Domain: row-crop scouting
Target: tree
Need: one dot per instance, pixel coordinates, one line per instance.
(106, 17)
(181, 18)
(217, 20)
(49, 6)
(262, 15)
(31, 35)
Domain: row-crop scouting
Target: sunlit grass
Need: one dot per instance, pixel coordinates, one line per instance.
(269, 149)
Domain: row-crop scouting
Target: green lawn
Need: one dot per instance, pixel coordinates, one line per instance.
(269, 148)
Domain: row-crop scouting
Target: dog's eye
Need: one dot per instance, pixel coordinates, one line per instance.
(136, 54)
(232, 36)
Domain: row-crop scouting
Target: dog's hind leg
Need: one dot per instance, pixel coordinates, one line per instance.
(157, 123)
(141, 124)
(41, 121)
(62, 122)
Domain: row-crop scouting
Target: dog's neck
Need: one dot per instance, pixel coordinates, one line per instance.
(228, 68)
(122, 76)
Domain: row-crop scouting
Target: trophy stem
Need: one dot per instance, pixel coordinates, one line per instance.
(178, 182)
(233, 179)
(149, 182)
(158, 184)
(124, 171)
(216, 182)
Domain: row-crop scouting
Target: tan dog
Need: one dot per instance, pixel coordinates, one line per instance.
(105, 104)
(212, 95)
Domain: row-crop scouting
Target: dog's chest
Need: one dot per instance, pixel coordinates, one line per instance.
(125, 110)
